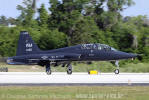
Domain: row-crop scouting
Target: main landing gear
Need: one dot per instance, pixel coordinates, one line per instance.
(69, 69)
(48, 69)
(116, 71)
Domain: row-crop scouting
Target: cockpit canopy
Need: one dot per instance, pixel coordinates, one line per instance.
(97, 46)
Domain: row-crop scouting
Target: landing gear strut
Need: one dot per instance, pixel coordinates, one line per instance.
(116, 71)
(48, 69)
(69, 69)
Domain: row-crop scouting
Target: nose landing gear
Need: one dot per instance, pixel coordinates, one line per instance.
(116, 71)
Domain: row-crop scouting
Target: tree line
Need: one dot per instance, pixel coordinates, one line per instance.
(71, 22)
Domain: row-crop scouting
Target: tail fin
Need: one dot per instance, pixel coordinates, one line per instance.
(26, 45)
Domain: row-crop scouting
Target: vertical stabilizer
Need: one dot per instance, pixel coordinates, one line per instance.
(26, 45)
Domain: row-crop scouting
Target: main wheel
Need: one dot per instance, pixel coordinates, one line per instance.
(69, 72)
(116, 71)
(48, 72)
(69, 69)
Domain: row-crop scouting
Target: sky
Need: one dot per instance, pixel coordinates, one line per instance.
(8, 8)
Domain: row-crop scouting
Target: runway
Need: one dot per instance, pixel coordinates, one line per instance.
(61, 79)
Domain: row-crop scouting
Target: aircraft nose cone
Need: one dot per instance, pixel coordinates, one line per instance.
(124, 55)
(132, 55)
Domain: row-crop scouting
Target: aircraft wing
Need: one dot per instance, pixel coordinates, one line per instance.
(66, 57)
(47, 59)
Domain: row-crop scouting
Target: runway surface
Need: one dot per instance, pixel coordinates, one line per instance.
(61, 78)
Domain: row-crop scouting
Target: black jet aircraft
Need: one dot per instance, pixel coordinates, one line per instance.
(28, 53)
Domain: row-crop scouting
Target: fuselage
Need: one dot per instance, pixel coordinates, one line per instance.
(83, 52)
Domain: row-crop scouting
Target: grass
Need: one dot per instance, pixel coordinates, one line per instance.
(83, 67)
(74, 93)
(139, 67)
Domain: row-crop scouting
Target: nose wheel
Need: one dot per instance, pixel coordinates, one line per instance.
(69, 69)
(117, 71)
(48, 69)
